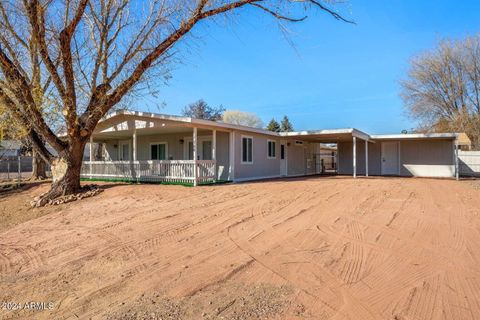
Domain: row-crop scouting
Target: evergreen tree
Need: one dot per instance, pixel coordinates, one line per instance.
(273, 125)
(286, 125)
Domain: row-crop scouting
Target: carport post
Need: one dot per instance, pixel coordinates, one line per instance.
(366, 158)
(457, 173)
(195, 157)
(354, 157)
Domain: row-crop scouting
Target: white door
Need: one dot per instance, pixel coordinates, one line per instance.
(283, 158)
(204, 148)
(390, 158)
(124, 151)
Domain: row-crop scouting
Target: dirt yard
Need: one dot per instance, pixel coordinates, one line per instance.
(317, 248)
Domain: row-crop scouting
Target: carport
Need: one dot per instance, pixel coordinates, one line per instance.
(418, 155)
(336, 136)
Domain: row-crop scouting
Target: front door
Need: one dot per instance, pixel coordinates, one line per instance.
(125, 151)
(283, 158)
(390, 158)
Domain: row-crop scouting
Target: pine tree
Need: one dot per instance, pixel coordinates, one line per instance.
(273, 125)
(286, 125)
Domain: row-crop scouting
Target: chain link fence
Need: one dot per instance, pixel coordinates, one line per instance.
(17, 168)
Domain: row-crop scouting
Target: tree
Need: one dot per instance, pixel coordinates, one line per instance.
(242, 118)
(90, 56)
(273, 125)
(286, 125)
(201, 110)
(442, 89)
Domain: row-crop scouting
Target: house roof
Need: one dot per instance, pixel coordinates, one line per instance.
(188, 120)
(10, 144)
(322, 136)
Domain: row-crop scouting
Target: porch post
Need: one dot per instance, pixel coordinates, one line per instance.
(90, 147)
(214, 153)
(231, 156)
(354, 157)
(134, 144)
(366, 158)
(195, 175)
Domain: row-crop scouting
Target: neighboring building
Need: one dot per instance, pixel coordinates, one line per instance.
(464, 142)
(10, 148)
(148, 147)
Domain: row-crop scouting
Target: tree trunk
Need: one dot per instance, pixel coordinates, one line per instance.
(65, 173)
(38, 167)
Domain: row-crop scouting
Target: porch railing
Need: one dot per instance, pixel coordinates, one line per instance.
(174, 171)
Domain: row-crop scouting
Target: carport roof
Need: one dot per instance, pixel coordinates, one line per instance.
(326, 136)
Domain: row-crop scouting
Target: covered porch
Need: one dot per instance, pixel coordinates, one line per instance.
(156, 151)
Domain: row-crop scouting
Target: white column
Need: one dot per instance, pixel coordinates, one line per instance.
(214, 153)
(354, 157)
(366, 158)
(457, 173)
(135, 144)
(195, 174)
(90, 149)
(231, 156)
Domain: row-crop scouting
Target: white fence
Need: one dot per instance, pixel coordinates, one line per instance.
(469, 163)
(173, 171)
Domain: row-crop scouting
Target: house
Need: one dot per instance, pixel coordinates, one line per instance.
(149, 147)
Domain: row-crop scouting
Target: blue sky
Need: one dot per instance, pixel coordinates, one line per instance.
(336, 75)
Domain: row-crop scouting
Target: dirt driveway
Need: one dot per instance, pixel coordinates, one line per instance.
(318, 248)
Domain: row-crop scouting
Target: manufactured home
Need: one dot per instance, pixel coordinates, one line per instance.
(149, 147)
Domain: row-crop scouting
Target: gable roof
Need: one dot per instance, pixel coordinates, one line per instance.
(190, 120)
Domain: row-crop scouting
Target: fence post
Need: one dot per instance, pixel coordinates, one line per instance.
(8, 169)
(19, 169)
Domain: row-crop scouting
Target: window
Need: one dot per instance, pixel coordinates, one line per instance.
(271, 149)
(247, 144)
(158, 151)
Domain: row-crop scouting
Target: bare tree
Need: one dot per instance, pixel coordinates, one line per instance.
(442, 90)
(88, 56)
(201, 110)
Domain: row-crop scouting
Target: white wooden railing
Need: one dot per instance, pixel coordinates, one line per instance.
(175, 171)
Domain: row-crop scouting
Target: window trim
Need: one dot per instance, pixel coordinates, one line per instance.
(241, 149)
(166, 149)
(274, 149)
